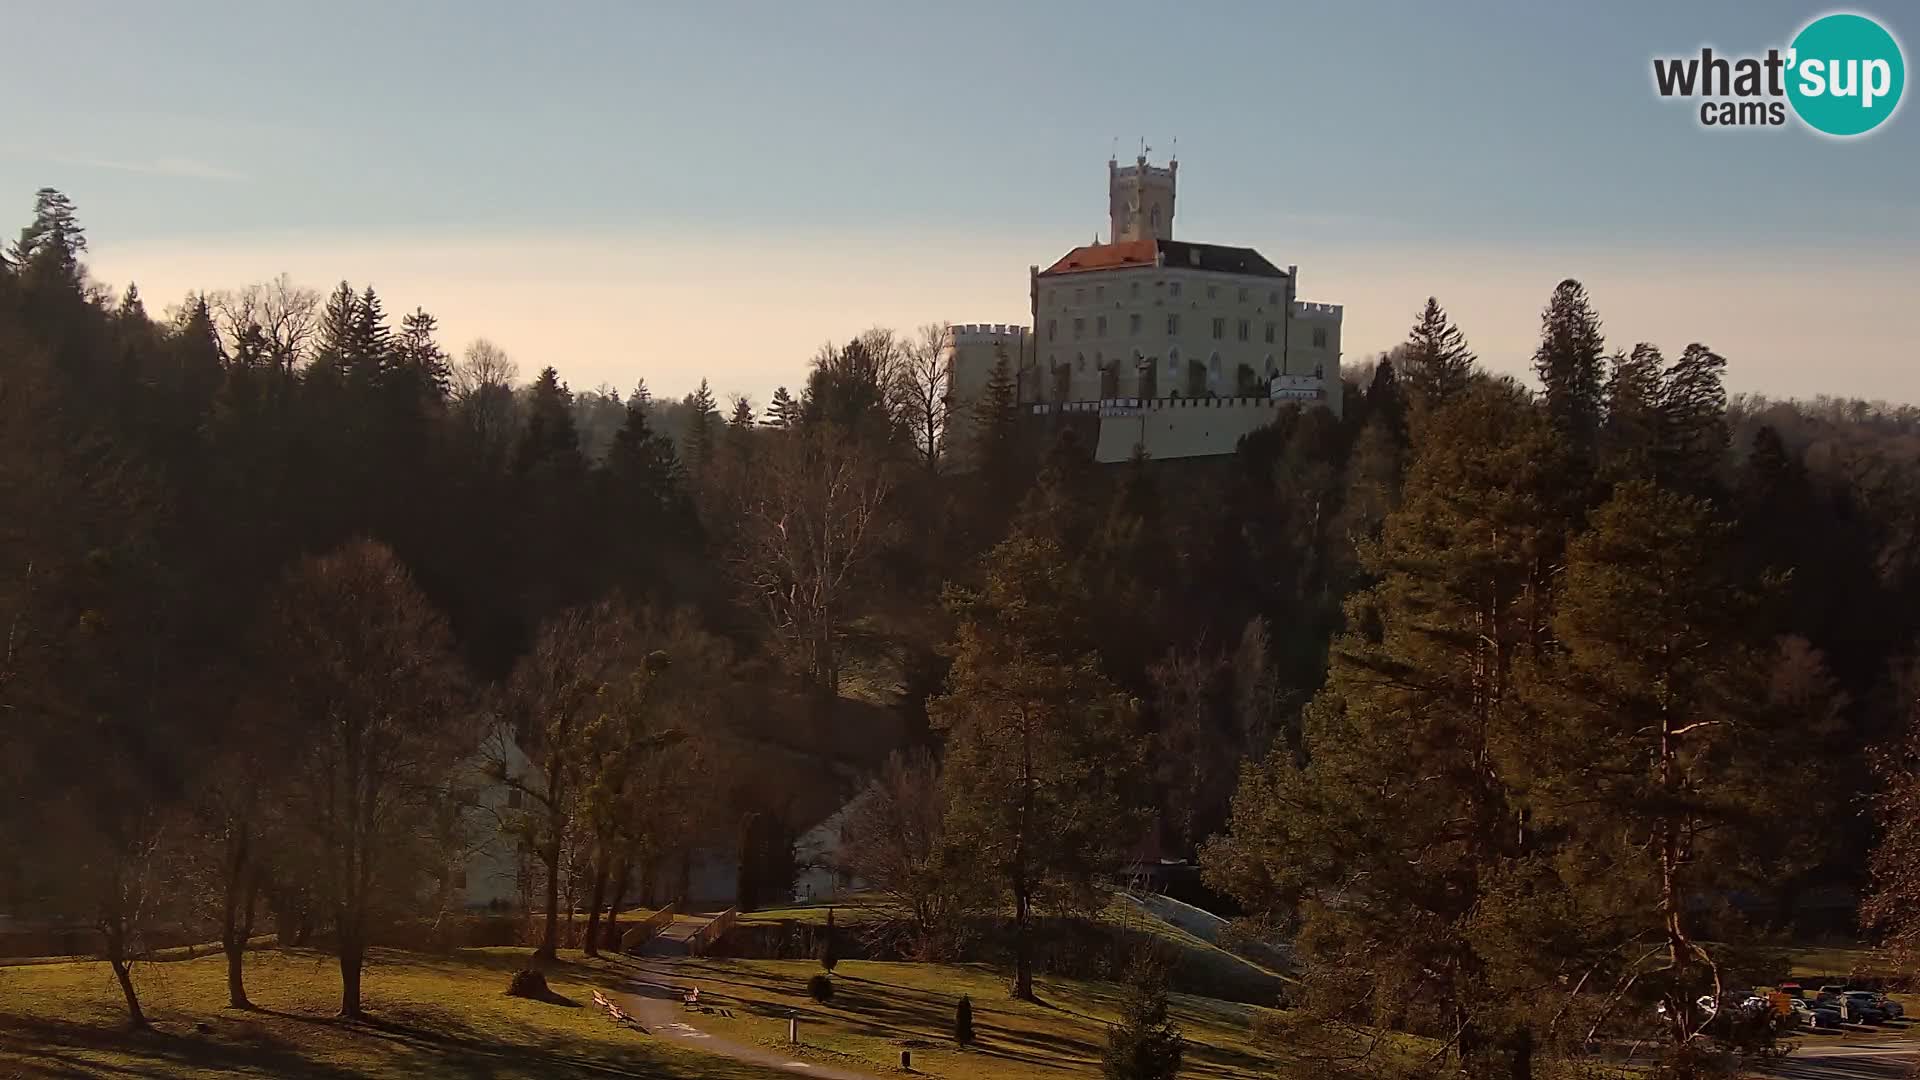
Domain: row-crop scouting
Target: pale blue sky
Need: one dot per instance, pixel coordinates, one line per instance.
(627, 189)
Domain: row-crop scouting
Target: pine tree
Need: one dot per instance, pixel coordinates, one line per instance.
(132, 309)
(428, 367)
(963, 1021)
(641, 396)
(1146, 1044)
(784, 412)
(995, 424)
(1042, 754)
(1648, 745)
(742, 417)
(701, 429)
(1437, 363)
(334, 336)
(370, 343)
(1693, 421)
(53, 240)
(549, 440)
(1393, 785)
(1568, 362)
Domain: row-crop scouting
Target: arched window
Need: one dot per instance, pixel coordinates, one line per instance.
(1173, 360)
(1080, 361)
(1269, 365)
(1156, 221)
(1213, 364)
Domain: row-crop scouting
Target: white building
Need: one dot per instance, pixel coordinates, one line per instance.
(1131, 326)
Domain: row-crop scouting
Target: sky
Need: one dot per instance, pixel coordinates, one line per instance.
(677, 191)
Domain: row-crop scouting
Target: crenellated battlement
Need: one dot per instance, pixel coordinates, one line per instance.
(1309, 309)
(974, 333)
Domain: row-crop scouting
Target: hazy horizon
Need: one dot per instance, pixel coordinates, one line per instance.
(640, 192)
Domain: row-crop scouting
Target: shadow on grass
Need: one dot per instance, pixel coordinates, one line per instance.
(60, 1048)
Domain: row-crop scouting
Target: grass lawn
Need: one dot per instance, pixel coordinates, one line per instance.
(430, 1016)
(880, 1009)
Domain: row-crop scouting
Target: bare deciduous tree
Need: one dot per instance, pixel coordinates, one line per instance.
(804, 534)
(893, 841)
(287, 315)
(925, 385)
(368, 669)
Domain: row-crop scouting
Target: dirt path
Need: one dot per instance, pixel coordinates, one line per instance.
(655, 999)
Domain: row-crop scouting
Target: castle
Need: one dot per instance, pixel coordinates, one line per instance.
(1178, 347)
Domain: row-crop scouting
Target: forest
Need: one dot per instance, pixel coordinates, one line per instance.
(1518, 710)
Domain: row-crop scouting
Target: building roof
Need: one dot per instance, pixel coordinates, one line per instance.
(1129, 253)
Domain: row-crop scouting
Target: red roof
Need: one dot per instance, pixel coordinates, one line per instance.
(1215, 257)
(1105, 256)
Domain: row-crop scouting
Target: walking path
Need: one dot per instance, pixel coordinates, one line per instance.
(656, 1001)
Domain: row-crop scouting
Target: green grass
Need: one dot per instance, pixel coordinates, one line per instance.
(429, 1016)
(880, 1009)
(1839, 960)
(1201, 964)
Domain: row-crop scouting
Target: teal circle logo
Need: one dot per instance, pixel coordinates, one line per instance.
(1845, 74)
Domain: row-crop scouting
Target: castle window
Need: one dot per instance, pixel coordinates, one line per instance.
(1274, 297)
(1053, 327)
(1242, 328)
(1079, 296)
(1133, 325)
(1269, 333)
(1213, 364)
(1134, 291)
(1079, 328)
(1080, 361)
(1156, 221)
(1099, 292)
(1213, 292)
(1100, 327)
(1243, 295)
(1173, 324)
(1173, 288)
(1319, 337)
(1269, 365)
(1099, 360)
(1219, 329)
(1173, 361)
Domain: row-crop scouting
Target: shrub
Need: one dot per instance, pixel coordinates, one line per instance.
(820, 988)
(527, 983)
(963, 1021)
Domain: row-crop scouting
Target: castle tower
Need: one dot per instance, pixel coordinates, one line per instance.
(1140, 200)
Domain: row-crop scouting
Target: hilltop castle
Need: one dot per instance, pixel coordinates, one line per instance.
(1178, 347)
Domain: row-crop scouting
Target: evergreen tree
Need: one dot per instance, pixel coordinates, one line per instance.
(1693, 421)
(1393, 785)
(132, 309)
(1648, 746)
(1043, 760)
(334, 335)
(742, 417)
(641, 396)
(1568, 362)
(1146, 1044)
(829, 945)
(1436, 363)
(996, 448)
(702, 427)
(425, 367)
(549, 439)
(784, 412)
(52, 242)
(963, 1021)
(370, 342)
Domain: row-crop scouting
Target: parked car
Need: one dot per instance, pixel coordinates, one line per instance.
(1812, 1016)
(1859, 1006)
(1874, 1004)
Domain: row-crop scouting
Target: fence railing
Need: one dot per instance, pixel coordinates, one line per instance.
(705, 936)
(637, 937)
